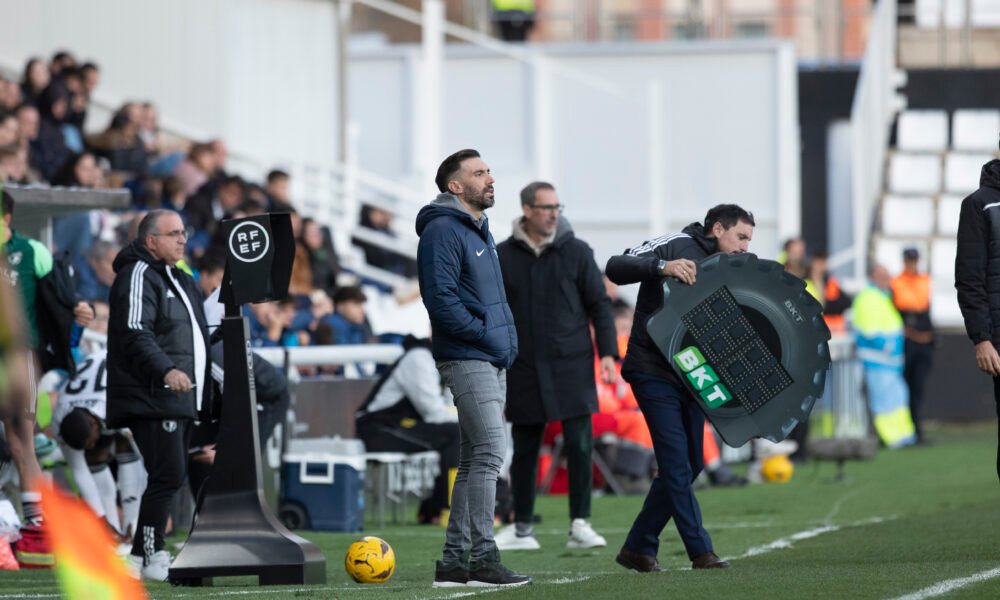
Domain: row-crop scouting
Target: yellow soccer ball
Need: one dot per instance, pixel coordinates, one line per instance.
(370, 560)
(777, 469)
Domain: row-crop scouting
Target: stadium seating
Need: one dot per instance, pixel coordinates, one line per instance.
(914, 173)
(948, 208)
(975, 130)
(922, 131)
(908, 216)
(961, 172)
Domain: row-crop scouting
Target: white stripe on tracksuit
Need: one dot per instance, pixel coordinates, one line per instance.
(653, 244)
(135, 296)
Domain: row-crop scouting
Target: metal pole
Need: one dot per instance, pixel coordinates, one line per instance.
(657, 160)
(342, 25)
(967, 34)
(433, 58)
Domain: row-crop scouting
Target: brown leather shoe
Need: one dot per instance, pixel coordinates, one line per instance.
(637, 562)
(709, 560)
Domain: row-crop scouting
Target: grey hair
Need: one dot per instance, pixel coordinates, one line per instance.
(99, 249)
(148, 223)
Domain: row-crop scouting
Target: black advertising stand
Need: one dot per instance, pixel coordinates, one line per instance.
(234, 532)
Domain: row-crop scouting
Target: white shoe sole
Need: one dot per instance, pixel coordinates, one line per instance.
(578, 545)
(525, 543)
(485, 584)
(448, 584)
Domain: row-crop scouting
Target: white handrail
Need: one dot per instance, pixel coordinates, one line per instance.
(331, 355)
(871, 118)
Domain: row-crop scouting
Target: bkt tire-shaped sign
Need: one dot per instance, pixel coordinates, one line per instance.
(749, 342)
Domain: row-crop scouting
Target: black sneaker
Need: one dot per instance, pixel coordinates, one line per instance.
(450, 575)
(490, 574)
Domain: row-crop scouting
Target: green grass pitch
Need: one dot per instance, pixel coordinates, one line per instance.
(898, 524)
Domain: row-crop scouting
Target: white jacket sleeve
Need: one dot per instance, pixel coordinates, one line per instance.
(419, 379)
(84, 479)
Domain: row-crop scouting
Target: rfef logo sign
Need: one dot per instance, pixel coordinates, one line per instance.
(249, 242)
(702, 377)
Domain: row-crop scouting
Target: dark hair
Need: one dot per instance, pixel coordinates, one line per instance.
(199, 148)
(8, 204)
(621, 308)
(66, 175)
(75, 428)
(276, 174)
(351, 293)
(26, 79)
(531, 190)
(820, 254)
(451, 165)
(89, 66)
(728, 215)
(212, 262)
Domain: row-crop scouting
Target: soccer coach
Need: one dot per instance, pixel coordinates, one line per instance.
(158, 370)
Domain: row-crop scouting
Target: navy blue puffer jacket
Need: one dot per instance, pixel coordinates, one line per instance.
(462, 287)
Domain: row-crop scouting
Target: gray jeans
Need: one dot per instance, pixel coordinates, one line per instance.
(480, 392)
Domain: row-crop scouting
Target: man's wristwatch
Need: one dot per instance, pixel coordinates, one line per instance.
(661, 266)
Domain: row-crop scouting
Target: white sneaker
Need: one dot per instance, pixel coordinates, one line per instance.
(156, 569)
(582, 535)
(508, 539)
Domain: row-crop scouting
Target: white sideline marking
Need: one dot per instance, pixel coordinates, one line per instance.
(487, 590)
(949, 585)
(786, 542)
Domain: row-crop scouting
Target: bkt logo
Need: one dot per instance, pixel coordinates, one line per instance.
(249, 242)
(702, 377)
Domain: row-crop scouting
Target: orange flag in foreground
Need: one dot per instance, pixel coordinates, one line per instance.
(86, 563)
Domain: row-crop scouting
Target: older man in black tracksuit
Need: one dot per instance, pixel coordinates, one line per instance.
(977, 273)
(158, 370)
(675, 421)
(555, 291)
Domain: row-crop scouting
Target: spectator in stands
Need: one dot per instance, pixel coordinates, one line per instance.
(34, 81)
(380, 220)
(348, 321)
(158, 370)
(28, 122)
(77, 108)
(556, 294)
(911, 293)
(323, 261)
(10, 165)
(677, 424)
(62, 59)
(91, 75)
(879, 336)
(10, 95)
(80, 170)
(95, 273)
(221, 153)
(277, 191)
(977, 273)
(409, 411)
(10, 130)
(120, 142)
(49, 149)
(195, 170)
(475, 342)
(212, 203)
(210, 275)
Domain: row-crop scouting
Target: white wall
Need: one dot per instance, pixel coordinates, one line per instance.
(727, 121)
(259, 73)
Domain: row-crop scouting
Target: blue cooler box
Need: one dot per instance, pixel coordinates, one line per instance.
(324, 482)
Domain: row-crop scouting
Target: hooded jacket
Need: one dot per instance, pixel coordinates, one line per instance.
(977, 261)
(555, 295)
(641, 264)
(149, 333)
(462, 287)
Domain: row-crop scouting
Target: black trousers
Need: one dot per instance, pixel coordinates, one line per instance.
(578, 443)
(442, 437)
(919, 358)
(164, 448)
